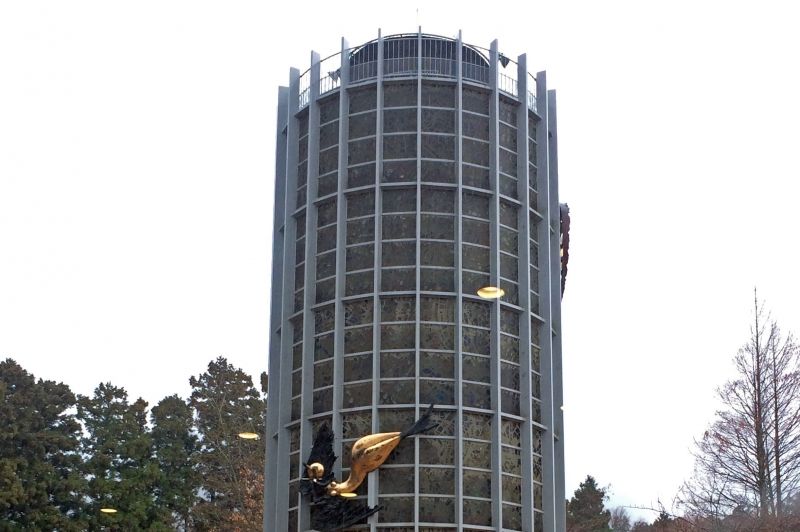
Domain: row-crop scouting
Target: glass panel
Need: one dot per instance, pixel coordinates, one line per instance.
(477, 512)
(436, 392)
(477, 454)
(436, 451)
(362, 99)
(437, 253)
(475, 368)
(437, 280)
(435, 336)
(400, 364)
(440, 227)
(399, 146)
(358, 367)
(399, 120)
(438, 121)
(360, 203)
(358, 283)
(399, 171)
(323, 374)
(402, 253)
(358, 339)
(359, 312)
(399, 336)
(399, 226)
(398, 308)
(356, 424)
(436, 509)
(400, 280)
(436, 365)
(477, 426)
(476, 395)
(396, 480)
(359, 394)
(397, 392)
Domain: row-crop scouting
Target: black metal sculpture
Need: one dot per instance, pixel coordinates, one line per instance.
(332, 509)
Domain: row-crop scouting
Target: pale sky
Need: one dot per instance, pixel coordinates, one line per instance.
(137, 171)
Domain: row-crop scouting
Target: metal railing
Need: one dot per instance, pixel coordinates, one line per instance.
(507, 84)
(330, 73)
(305, 89)
(401, 58)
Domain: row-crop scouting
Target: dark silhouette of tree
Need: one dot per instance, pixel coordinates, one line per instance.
(40, 480)
(121, 471)
(175, 446)
(226, 404)
(620, 520)
(586, 511)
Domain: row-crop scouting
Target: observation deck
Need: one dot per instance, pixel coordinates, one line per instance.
(412, 56)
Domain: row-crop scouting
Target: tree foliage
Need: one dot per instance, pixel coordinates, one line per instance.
(226, 404)
(119, 465)
(63, 458)
(748, 461)
(40, 481)
(175, 448)
(586, 511)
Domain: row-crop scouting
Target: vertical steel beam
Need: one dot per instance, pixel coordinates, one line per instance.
(555, 306)
(310, 272)
(341, 256)
(459, 287)
(494, 269)
(271, 487)
(284, 378)
(418, 273)
(549, 501)
(523, 274)
(373, 488)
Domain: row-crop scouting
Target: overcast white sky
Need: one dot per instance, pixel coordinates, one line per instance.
(137, 168)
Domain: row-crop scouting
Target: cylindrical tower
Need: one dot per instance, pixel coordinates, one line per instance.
(411, 172)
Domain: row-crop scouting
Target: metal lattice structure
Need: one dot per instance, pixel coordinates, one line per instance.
(413, 170)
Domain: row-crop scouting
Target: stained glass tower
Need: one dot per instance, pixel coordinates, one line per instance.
(412, 171)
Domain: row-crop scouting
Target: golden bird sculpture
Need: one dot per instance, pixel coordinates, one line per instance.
(368, 454)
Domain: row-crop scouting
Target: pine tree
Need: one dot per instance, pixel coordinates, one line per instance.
(40, 482)
(119, 465)
(175, 445)
(585, 511)
(226, 404)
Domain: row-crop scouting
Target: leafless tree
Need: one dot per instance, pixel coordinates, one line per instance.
(620, 520)
(749, 459)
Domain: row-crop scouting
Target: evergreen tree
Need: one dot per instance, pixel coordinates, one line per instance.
(175, 445)
(226, 404)
(119, 465)
(585, 511)
(40, 482)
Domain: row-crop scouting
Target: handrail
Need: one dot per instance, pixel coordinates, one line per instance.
(401, 59)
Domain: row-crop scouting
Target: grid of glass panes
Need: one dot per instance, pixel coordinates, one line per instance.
(361, 137)
(294, 474)
(302, 159)
(399, 132)
(507, 157)
(534, 215)
(328, 146)
(297, 366)
(476, 471)
(398, 239)
(475, 138)
(475, 249)
(326, 250)
(438, 132)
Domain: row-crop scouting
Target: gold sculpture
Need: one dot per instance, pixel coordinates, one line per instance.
(368, 454)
